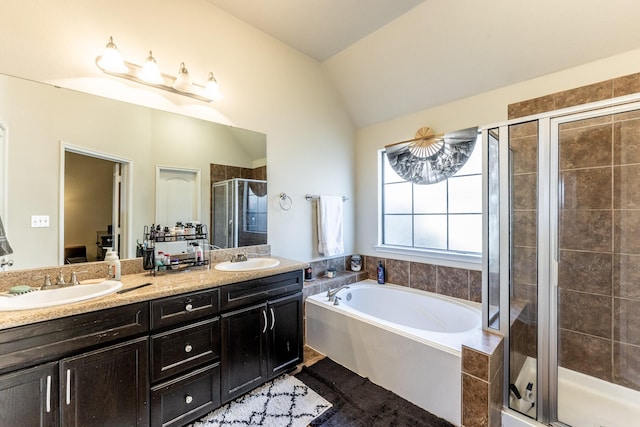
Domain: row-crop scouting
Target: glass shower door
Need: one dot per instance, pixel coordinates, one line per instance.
(598, 268)
(523, 267)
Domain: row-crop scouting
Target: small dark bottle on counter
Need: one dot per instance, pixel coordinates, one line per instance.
(380, 273)
(308, 273)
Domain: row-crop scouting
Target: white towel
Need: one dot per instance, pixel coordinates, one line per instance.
(330, 225)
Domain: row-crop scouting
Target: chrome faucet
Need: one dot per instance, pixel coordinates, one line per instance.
(60, 282)
(238, 257)
(331, 293)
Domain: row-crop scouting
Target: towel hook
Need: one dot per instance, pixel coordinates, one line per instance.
(285, 202)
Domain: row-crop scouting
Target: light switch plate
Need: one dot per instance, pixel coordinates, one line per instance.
(39, 221)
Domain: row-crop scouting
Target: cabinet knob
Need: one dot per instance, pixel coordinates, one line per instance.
(188, 307)
(188, 399)
(188, 348)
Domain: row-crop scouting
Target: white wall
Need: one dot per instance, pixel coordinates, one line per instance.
(485, 109)
(268, 87)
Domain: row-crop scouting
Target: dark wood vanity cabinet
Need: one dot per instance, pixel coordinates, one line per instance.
(262, 338)
(185, 357)
(165, 362)
(29, 397)
(106, 387)
(74, 385)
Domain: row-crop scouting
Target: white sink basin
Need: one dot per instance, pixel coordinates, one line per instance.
(248, 265)
(58, 296)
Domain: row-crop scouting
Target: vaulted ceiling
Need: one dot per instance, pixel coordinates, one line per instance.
(389, 58)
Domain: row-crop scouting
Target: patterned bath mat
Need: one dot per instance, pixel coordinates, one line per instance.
(283, 402)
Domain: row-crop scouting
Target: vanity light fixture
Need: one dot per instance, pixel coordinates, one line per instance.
(111, 62)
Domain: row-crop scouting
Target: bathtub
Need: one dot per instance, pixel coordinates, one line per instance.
(405, 340)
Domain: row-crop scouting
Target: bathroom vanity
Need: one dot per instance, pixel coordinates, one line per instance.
(162, 361)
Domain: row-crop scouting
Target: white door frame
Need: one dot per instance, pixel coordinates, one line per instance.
(126, 220)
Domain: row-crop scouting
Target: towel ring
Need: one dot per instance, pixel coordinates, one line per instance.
(285, 202)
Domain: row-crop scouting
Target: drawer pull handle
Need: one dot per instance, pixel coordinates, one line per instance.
(188, 399)
(273, 319)
(188, 307)
(48, 393)
(68, 391)
(264, 313)
(188, 348)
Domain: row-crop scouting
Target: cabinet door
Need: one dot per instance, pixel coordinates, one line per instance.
(284, 334)
(30, 397)
(106, 387)
(243, 359)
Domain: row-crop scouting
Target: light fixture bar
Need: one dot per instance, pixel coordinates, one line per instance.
(168, 83)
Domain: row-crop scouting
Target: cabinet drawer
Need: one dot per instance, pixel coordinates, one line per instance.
(177, 350)
(183, 308)
(178, 402)
(259, 290)
(39, 342)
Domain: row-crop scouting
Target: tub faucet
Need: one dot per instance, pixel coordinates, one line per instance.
(331, 293)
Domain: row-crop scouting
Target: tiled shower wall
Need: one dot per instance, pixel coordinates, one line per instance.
(523, 149)
(599, 265)
(599, 272)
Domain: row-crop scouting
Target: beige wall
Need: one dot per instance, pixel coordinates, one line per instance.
(268, 87)
(485, 109)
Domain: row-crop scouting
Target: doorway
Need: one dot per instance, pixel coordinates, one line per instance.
(95, 209)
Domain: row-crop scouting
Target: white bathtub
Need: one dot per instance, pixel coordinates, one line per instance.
(405, 340)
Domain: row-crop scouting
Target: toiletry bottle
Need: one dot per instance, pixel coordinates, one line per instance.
(113, 265)
(380, 273)
(198, 252)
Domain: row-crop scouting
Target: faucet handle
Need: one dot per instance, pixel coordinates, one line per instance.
(74, 277)
(60, 279)
(47, 281)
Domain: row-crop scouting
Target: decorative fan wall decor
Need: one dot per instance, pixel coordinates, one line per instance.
(431, 158)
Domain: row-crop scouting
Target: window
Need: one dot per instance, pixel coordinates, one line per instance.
(442, 217)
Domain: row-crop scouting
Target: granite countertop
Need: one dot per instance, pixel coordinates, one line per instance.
(164, 284)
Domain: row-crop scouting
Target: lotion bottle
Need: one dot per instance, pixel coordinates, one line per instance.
(113, 265)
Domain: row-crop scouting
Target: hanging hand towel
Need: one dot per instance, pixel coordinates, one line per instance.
(330, 225)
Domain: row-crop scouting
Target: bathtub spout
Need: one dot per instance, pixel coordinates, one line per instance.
(331, 293)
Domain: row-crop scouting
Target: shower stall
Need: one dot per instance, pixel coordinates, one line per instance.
(239, 213)
(562, 263)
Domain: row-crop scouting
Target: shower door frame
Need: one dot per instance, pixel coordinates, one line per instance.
(551, 293)
(547, 244)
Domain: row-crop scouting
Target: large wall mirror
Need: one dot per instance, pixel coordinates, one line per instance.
(71, 156)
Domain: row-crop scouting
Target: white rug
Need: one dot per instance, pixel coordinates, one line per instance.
(285, 401)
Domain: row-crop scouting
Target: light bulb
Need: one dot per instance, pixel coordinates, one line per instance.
(111, 59)
(183, 82)
(211, 89)
(150, 72)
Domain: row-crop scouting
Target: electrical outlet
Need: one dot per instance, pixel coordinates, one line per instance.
(39, 221)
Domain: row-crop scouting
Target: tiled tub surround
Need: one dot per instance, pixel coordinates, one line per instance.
(481, 357)
(450, 281)
(482, 379)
